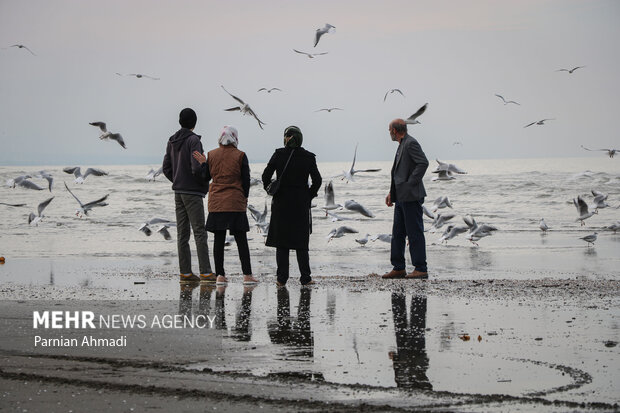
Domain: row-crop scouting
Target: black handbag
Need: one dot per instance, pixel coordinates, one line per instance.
(274, 185)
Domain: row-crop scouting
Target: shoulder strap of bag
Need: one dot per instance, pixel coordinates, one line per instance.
(289, 158)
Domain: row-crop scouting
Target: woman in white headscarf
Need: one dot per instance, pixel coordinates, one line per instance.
(229, 172)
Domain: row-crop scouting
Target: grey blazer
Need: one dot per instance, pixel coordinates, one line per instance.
(408, 170)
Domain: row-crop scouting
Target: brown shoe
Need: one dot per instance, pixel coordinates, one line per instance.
(417, 275)
(395, 274)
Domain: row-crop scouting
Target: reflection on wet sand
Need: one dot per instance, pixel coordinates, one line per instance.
(410, 361)
(242, 330)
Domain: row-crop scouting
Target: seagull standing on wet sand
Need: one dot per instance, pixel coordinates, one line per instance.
(590, 238)
(244, 108)
(108, 135)
(328, 28)
(543, 226)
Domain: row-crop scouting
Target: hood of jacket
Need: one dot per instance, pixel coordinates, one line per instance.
(180, 136)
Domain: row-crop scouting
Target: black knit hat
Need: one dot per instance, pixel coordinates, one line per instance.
(187, 118)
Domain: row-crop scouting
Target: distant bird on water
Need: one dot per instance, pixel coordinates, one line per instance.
(413, 119)
(105, 135)
(21, 46)
(310, 55)
(543, 226)
(244, 108)
(138, 75)
(570, 71)
(392, 91)
(610, 152)
(328, 28)
(269, 90)
(507, 101)
(538, 122)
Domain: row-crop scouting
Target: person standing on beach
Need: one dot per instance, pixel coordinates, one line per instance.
(229, 170)
(407, 196)
(190, 189)
(291, 221)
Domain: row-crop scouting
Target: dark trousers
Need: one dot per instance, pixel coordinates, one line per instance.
(408, 223)
(241, 240)
(190, 212)
(303, 260)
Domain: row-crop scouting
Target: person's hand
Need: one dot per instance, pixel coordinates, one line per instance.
(388, 200)
(199, 157)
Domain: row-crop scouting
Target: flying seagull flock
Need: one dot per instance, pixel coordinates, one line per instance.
(440, 211)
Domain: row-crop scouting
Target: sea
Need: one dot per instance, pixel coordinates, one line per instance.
(510, 194)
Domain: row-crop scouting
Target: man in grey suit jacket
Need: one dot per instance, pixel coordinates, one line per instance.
(407, 195)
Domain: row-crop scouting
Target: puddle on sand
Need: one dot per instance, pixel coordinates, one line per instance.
(391, 339)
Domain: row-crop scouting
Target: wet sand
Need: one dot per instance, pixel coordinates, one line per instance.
(354, 343)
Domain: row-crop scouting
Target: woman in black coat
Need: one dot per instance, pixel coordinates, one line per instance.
(291, 221)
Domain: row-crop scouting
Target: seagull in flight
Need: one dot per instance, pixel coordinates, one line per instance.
(260, 217)
(269, 90)
(330, 202)
(392, 91)
(138, 75)
(310, 55)
(154, 173)
(352, 205)
(21, 46)
(34, 219)
(610, 152)
(570, 71)
(108, 135)
(24, 182)
(441, 202)
(77, 172)
(328, 28)
(445, 171)
(328, 109)
(244, 108)
(340, 232)
(582, 209)
(413, 119)
(84, 208)
(348, 175)
(539, 122)
(507, 101)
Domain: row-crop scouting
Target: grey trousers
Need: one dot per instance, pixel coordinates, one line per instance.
(190, 210)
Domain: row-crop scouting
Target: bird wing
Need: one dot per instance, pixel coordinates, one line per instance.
(329, 194)
(471, 222)
(233, 96)
(347, 230)
(562, 70)
(29, 185)
(354, 156)
(418, 113)
(118, 138)
(512, 101)
(76, 198)
(297, 51)
(441, 166)
(254, 212)
(399, 91)
(163, 230)
(317, 36)
(43, 204)
(260, 122)
(31, 217)
(529, 124)
(94, 171)
(581, 205)
(427, 212)
(275, 88)
(501, 97)
(75, 170)
(318, 54)
(232, 109)
(385, 97)
(98, 202)
(100, 125)
(596, 193)
(261, 89)
(367, 170)
(151, 77)
(455, 169)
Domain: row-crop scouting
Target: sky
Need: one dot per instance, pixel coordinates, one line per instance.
(454, 55)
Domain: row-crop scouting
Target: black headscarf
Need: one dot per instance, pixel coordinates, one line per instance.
(297, 138)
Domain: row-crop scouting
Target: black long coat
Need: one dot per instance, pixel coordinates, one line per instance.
(291, 221)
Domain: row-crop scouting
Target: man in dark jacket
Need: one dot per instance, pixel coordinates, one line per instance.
(189, 190)
(407, 194)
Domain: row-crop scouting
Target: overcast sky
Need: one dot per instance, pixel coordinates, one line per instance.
(455, 55)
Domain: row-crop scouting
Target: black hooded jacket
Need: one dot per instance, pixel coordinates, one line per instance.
(179, 165)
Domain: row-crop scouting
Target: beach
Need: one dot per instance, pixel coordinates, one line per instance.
(522, 321)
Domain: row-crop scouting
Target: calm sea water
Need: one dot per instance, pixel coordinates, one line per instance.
(511, 194)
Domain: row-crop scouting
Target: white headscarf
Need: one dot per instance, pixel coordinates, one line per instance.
(229, 136)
